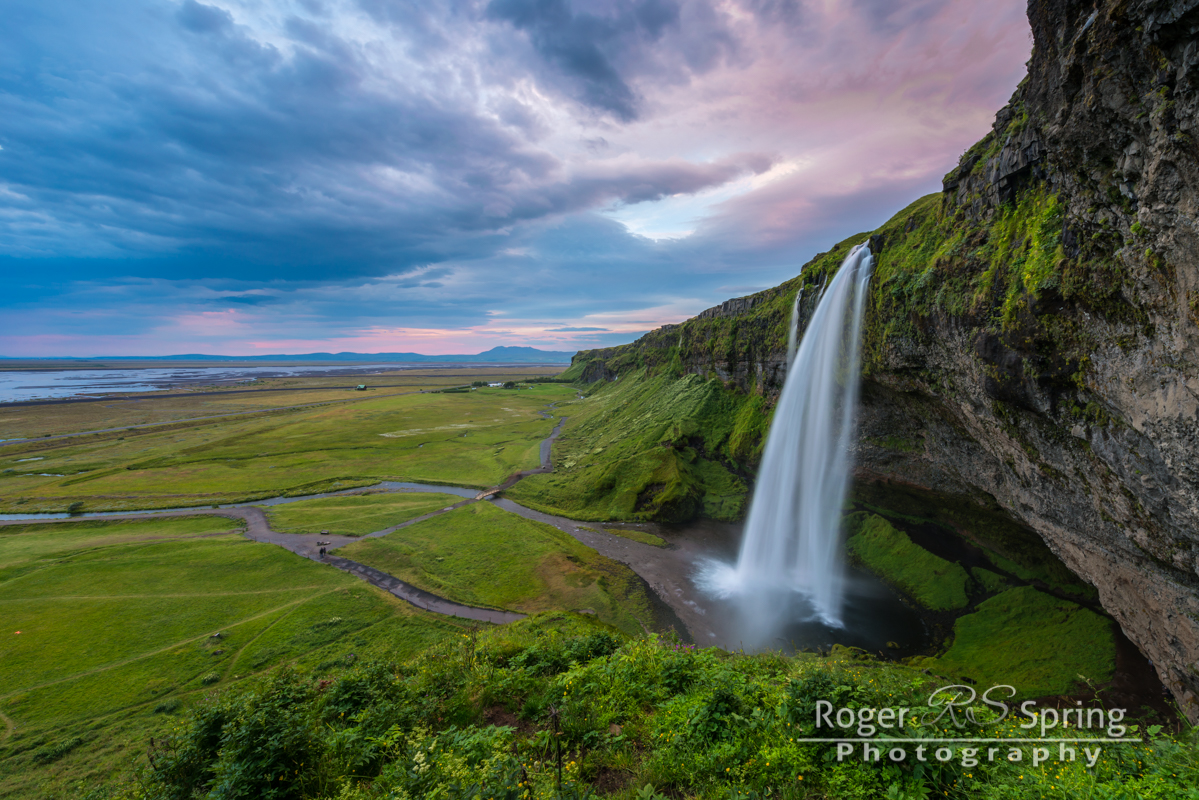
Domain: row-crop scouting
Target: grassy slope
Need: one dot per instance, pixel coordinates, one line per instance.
(482, 555)
(116, 620)
(355, 515)
(471, 439)
(646, 447)
(933, 582)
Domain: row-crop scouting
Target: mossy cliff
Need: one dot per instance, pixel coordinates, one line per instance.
(1032, 331)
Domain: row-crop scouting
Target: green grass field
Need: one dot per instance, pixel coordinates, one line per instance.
(470, 439)
(18, 422)
(116, 620)
(484, 556)
(355, 515)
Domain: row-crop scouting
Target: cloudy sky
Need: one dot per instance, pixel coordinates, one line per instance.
(274, 176)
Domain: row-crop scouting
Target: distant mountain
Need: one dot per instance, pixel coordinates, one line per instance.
(510, 355)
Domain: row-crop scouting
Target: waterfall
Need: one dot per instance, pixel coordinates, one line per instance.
(793, 331)
(791, 545)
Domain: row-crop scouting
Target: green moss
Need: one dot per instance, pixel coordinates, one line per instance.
(933, 261)
(750, 427)
(637, 536)
(1037, 643)
(898, 443)
(991, 582)
(1051, 573)
(931, 581)
(1011, 547)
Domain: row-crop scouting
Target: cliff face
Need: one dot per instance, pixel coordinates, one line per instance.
(1032, 338)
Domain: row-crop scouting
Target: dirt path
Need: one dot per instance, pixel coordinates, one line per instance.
(419, 597)
(665, 570)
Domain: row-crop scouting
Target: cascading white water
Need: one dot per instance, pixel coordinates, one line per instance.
(791, 543)
(793, 331)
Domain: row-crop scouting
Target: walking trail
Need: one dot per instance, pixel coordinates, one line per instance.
(663, 569)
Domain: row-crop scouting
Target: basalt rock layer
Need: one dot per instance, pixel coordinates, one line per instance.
(1033, 331)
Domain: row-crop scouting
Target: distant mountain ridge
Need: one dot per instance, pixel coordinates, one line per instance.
(520, 355)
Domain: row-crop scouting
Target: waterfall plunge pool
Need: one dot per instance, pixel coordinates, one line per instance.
(873, 613)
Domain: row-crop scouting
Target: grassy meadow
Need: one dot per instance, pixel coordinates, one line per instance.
(481, 555)
(122, 623)
(355, 515)
(192, 401)
(469, 439)
(1043, 644)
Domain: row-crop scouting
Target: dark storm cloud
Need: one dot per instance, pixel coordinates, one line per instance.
(598, 53)
(282, 172)
(889, 17)
(239, 159)
(584, 47)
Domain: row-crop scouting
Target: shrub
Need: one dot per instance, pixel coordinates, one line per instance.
(51, 753)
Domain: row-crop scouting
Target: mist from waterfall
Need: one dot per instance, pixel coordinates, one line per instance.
(790, 564)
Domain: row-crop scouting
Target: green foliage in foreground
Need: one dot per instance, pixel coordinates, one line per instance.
(1039, 643)
(355, 515)
(482, 555)
(632, 714)
(116, 622)
(933, 582)
(651, 448)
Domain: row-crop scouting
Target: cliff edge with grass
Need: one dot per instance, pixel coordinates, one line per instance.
(1031, 336)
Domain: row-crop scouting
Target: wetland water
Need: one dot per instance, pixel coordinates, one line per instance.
(21, 385)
